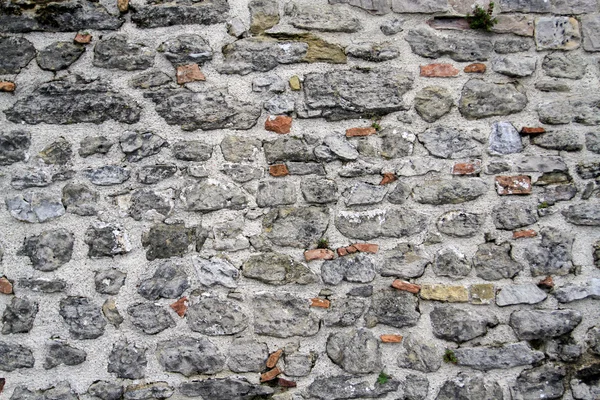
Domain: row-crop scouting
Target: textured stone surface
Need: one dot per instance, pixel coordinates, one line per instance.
(513, 215)
(460, 223)
(501, 357)
(224, 388)
(189, 356)
(82, 317)
(152, 15)
(214, 317)
(356, 351)
(150, 318)
(446, 142)
(342, 387)
(420, 355)
(49, 250)
(552, 255)
(559, 65)
(282, 315)
(427, 43)
(19, 315)
(520, 294)
(455, 324)
(449, 191)
(296, 227)
(393, 308)
(469, 387)
(557, 33)
(169, 281)
(366, 225)
(433, 102)
(493, 262)
(359, 268)
(58, 55)
(480, 99)
(127, 360)
(530, 325)
(277, 269)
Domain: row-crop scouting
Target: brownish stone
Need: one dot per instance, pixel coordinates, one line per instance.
(189, 73)
(270, 375)
(6, 86)
(448, 293)
(319, 254)
(406, 286)
(476, 68)
(278, 170)
(273, 358)
(468, 168)
(438, 70)
(391, 338)
(285, 383)
(319, 302)
(357, 132)
(546, 283)
(123, 5)
(482, 293)
(83, 38)
(525, 233)
(5, 286)
(342, 251)
(366, 247)
(180, 306)
(526, 130)
(2, 383)
(388, 177)
(518, 184)
(278, 124)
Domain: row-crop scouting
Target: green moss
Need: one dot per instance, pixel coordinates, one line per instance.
(323, 243)
(543, 205)
(450, 357)
(383, 378)
(481, 18)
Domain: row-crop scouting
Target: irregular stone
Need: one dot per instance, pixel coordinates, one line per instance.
(399, 194)
(275, 193)
(356, 351)
(572, 292)
(165, 241)
(82, 318)
(374, 52)
(457, 325)
(225, 389)
(59, 55)
(322, 18)
(433, 102)
(469, 387)
(342, 387)
(493, 262)
(557, 33)
(513, 185)
(42, 285)
(14, 146)
(269, 83)
(319, 190)
(514, 214)
(588, 170)
(449, 191)
(343, 312)
(553, 255)
(17, 53)
(206, 110)
(580, 110)
(62, 390)
(49, 250)
(296, 227)
(365, 193)
(242, 173)
(140, 145)
(79, 199)
(426, 6)
(283, 315)
(527, 293)
(512, 45)
(394, 308)
(396, 143)
(437, 292)
(552, 85)
(592, 142)
(539, 164)
(366, 225)
(460, 223)
(216, 271)
(445, 142)
(589, 26)
(264, 14)
(91, 145)
(127, 360)
(106, 240)
(190, 356)
(545, 382)
(238, 149)
(565, 141)
(34, 207)
(186, 49)
(404, 261)
(151, 174)
(584, 386)
(169, 282)
(109, 281)
(215, 317)
(247, 355)
(419, 355)
(504, 139)
(107, 175)
(19, 315)
(427, 43)
(150, 79)
(450, 262)
(514, 66)
(341, 147)
(14, 356)
(555, 193)
(481, 99)
(111, 313)
(377, 7)
(105, 390)
(117, 53)
(150, 318)
(358, 268)
(558, 65)
(277, 269)
(539, 324)
(485, 358)
(145, 202)
(153, 15)
(148, 391)
(212, 195)
(583, 214)
(229, 235)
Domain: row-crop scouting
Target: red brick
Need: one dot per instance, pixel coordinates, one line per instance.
(319, 254)
(476, 68)
(278, 124)
(285, 383)
(391, 338)
(342, 251)
(525, 233)
(388, 177)
(546, 283)
(123, 5)
(83, 38)
(189, 73)
(6, 86)
(366, 247)
(180, 306)
(526, 130)
(321, 303)
(438, 70)
(5, 286)
(270, 375)
(519, 184)
(273, 358)
(468, 168)
(406, 286)
(366, 131)
(278, 170)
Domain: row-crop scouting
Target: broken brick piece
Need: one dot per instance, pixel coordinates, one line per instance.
(366, 247)
(357, 132)
(507, 185)
(321, 303)
(285, 383)
(6, 86)
(270, 375)
(546, 283)
(532, 130)
(391, 338)
(189, 73)
(468, 168)
(476, 68)
(82, 38)
(180, 306)
(438, 70)
(278, 124)
(278, 170)
(273, 358)
(388, 177)
(525, 233)
(406, 286)
(319, 254)
(342, 251)
(5, 286)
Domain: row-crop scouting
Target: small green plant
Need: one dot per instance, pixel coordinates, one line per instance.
(376, 126)
(543, 205)
(323, 243)
(450, 357)
(383, 378)
(481, 18)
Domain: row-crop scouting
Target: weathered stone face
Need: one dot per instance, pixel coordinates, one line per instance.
(341, 387)
(296, 320)
(457, 325)
(215, 317)
(370, 224)
(427, 43)
(480, 99)
(277, 269)
(224, 388)
(296, 227)
(59, 55)
(529, 325)
(393, 308)
(169, 281)
(189, 356)
(469, 387)
(82, 317)
(49, 250)
(127, 360)
(356, 351)
(62, 353)
(150, 318)
(19, 315)
(152, 15)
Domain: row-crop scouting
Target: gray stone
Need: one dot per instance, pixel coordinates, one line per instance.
(49, 250)
(216, 317)
(399, 194)
(590, 25)
(427, 43)
(79, 199)
(297, 226)
(511, 215)
(557, 33)
(372, 51)
(280, 104)
(319, 190)
(514, 66)
(322, 18)
(264, 14)
(540, 324)
(485, 358)
(572, 291)
(207, 110)
(592, 142)
(91, 145)
(545, 382)
(105, 390)
(298, 364)
(283, 315)
(277, 269)
(269, 83)
(107, 175)
(117, 53)
(421, 6)
(14, 356)
(186, 49)
(433, 102)
(527, 293)
(247, 355)
(17, 52)
(34, 207)
(552, 85)
(148, 391)
(558, 65)
(275, 193)
(470, 387)
(153, 15)
(111, 313)
(553, 255)
(584, 385)
(447, 142)
(394, 308)
(59, 55)
(588, 170)
(493, 262)
(216, 271)
(459, 223)
(61, 391)
(539, 164)
(344, 312)
(190, 356)
(341, 147)
(449, 191)
(360, 168)
(109, 281)
(343, 387)
(232, 388)
(59, 152)
(42, 285)
(140, 145)
(396, 143)
(356, 351)
(355, 93)
(579, 109)
(458, 325)
(212, 195)
(593, 340)
(82, 317)
(555, 193)
(14, 146)
(377, 7)
(150, 318)
(416, 387)
(512, 45)
(504, 139)
(149, 203)
(359, 268)
(165, 241)
(151, 174)
(360, 291)
(363, 193)
(19, 315)
(127, 360)
(391, 26)
(169, 282)
(404, 261)
(366, 225)
(238, 148)
(583, 214)
(242, 173)
(150, 79)
(481, 99)
(450, 262)
(536, 6)
(419, 355)
(565, 141)
(106, 240)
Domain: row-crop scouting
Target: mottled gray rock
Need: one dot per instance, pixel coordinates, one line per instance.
(539, 164)
(511, 215)
(169, 281)
(578, 109)
(288, 148)
(588, 170)
(61, 391)
(504, 139)
(153, 15)
(399, 194)
(192, 150)
(356, 169)
(404, 261)
(421, 6)
(275, 192)
(560, 65)
(148, 391)
(237, 388)
(151, 204)
(319, 190)
(59, 55)
(277, 269)
(593, 340)
(572, 291)
(552, 85)
(17, 52)
(449, 191)
(394, 308)
(583, 214)
(469, 387)
(239, 148)
(322, 18)
(360, 268)
(298, 364)
(555, 193)
(190, 356)
(557, 33)
(107, 175)
(343, 387)
(91, 145)
(512, 45)
(527, 293)
(363, 193)
(584, 385)
(459, 223)
(296, 227)
(341, 147)
(416, 387)
(216, 317)
(372, 51)
(589, 26)
(140, 145)
(127, 360)
(269, 83)
(150, 318)
(396, 143)
(242, 173)
(216, 271)
(82, 317)
(14, 356)
(458, 325)
(186, 49)
(14, 146)
(109, 281)
(19, 315)
(280, 104)
(514, 66)
(356, 351)
(433, 102)
(247, 355)
(480, 99)
(592, 142)
(111, 313)
(540, 324)
(419, 355)
(283, 315)
(42, 285)
(366, 225)
(105, 390)
(34, 207)
(428, 43)
(150, 79)
(536, 6)
(165, 241)
(79, 199)
(106, 240)
(377, 7)
(344, 312)
(553, 255)
(49, 250)
(117, 53)
(450, 262)
(545, 382)
(151, 174)
(566, 141)
(493, 262)
(486, 358)
(211, 195)
(447, 142)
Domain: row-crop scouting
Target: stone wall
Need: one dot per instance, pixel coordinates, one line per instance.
(308, 200)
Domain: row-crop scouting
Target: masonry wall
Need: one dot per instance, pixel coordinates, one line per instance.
(307, 200)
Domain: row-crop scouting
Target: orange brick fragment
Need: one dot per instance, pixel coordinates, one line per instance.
(278, 124)
(123, 5)
(189, 73)
(278, 170)
(391, 338)
(406, 286)
(270, 375)
(438, 70)
(546, 283)
(476, 68)
(468, 168)
(83, 38)
(532, 130)
(319, 254)
(388, 177)
(5, 286)
(366, 247)
(321, 303)
(6, 86)
(273, 358)
(519, 184)
(342, 251)
(525, 233)
(355, 132)
(180, 306)
(285, 383)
